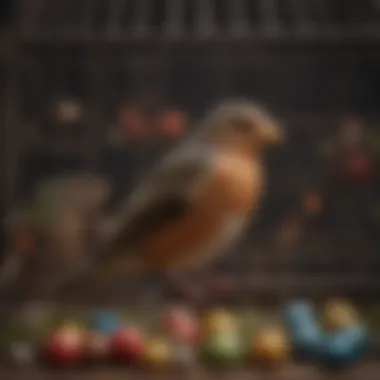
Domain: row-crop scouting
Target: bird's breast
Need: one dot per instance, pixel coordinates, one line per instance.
(213, 221)
(240, 182)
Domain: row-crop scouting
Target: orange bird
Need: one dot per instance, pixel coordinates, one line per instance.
(195, 203)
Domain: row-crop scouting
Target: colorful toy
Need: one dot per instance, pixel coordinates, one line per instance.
(127, 344)
(251, 321)
(223, 349)
(157, 353)
(344, 347)
(270, 347)
(217, 321)
(260, 338)
(65, 346)
(303, 328)
(105, 322)
(181, 324)
(298, 310)
(339, 314)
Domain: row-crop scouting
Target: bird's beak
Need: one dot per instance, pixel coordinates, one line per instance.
(273, 134)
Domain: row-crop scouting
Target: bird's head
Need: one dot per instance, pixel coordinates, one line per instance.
(243, 126)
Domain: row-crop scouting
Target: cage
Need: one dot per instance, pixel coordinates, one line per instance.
(313, 62)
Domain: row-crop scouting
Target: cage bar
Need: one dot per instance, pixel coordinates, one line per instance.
(239, 23)
(301, 15)
(141, 24)
(205, 17)
(114, 19)
(174, 20)
(269, 14)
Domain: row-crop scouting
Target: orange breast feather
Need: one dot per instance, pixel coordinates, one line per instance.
(233, 189)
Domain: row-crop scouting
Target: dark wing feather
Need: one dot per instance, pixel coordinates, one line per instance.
(164, 210)
(164, 198)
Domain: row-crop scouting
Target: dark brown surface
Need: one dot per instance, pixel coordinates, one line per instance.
(365, 371)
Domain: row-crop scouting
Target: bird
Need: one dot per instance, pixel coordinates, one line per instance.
(194, 204)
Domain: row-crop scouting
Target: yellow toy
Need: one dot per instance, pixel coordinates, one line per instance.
(339, 314)
(270, 347)
(157, 353)
(217, 321)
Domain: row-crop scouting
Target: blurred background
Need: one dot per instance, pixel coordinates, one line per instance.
(105, 87)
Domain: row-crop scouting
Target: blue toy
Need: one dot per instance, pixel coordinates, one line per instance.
(299, 311)
(344, 347)
(105, 322)
(303, 327)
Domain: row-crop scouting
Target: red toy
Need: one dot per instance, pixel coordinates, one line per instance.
(181, 324)
(126, 344)
(65, 347)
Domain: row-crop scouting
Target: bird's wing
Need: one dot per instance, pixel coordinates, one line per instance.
(164, 197)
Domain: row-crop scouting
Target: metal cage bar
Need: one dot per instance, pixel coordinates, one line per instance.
(77, 21)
